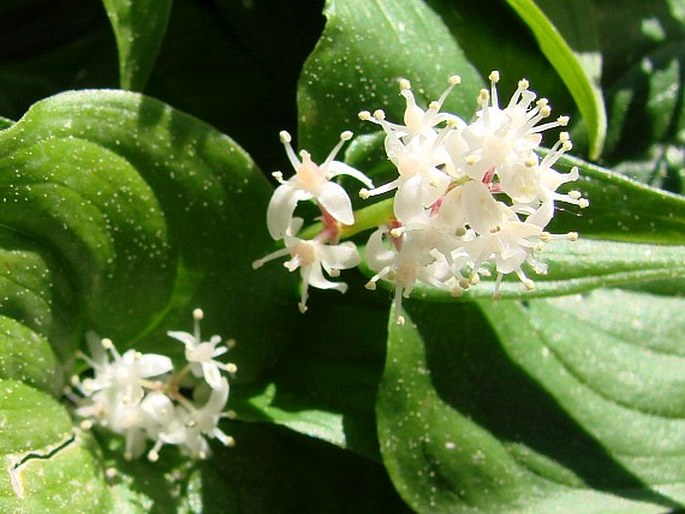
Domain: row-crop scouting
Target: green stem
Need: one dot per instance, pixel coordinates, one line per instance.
(367, 218)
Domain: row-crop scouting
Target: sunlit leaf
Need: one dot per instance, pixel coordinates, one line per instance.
(48, 465)
(513, 419)
(365, 48)
(577, 65)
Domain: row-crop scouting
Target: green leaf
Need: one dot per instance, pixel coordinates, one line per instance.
(365, 48)
(139, 27)
(150, 213)
(48, 465)
(572, 48)
(528, 417)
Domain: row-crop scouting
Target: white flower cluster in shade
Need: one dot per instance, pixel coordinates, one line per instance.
(469, 198)
(140, 397)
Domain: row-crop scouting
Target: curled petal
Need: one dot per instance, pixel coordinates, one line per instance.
(334, 199)
(342, 256)
(313, 276)
(279, 213)
(152, 365)
(336, 168)
(482, 210)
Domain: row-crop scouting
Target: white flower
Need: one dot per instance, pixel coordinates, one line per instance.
(504, 137)
(203, 421)
(313, 258)
(123, 397)
(200, 354)
(416, 149)
(502, 237)
(311, 181)
(124, 374)
(113, 396)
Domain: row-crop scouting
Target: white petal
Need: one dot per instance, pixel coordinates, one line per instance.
(217, 398)
(482, 211)
(279, 213)
(186, 338)
(435, 184)
(212, 375)
(378, 255)
(336, 168)
(342, 256)
(408, 205)
(451, 211)
(158, 407)
(151, 365)
(313, 276)
(334, 199)
(543, 215)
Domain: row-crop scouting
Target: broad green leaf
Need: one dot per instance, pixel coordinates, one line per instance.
(365, 48)
(151, 213)
(139, 27)
(578, 65)
(528, 417)
(48, 466)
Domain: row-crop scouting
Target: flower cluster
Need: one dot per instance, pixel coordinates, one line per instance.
(470, 198)
(313, 182)
(140, 396)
